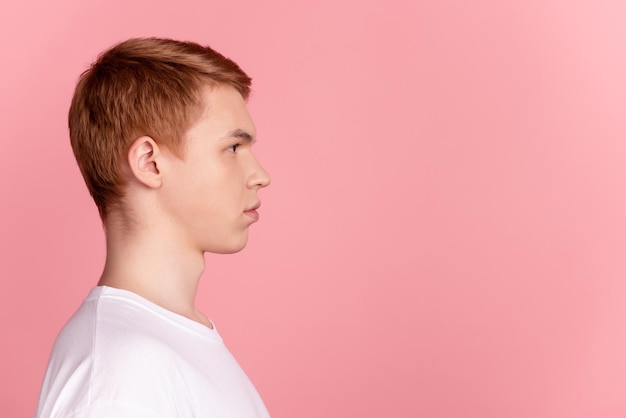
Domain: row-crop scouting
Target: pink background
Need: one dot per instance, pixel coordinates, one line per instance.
(446, 229)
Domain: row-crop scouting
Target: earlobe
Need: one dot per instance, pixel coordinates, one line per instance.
(143, 160)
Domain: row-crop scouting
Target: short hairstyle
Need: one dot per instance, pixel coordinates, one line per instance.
(142, 86)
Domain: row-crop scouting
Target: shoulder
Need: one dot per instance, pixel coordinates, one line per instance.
(111, 323)
(120, 356)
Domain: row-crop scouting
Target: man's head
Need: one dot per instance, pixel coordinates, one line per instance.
(141, 87)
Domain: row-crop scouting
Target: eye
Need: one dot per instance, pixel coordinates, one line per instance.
(233, 148)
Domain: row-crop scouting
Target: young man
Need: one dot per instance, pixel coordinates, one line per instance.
(163, 138)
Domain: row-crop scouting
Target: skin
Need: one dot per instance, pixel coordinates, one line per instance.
(176, 209)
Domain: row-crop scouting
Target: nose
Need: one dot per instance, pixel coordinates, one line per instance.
(259, 176)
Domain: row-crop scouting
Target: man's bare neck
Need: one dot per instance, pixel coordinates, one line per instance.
(155, 267)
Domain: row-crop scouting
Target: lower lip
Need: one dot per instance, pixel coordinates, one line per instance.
(253, 214)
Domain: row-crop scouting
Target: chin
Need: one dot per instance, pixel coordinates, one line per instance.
(228, 248)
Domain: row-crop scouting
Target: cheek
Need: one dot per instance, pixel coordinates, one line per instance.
(228, 179)
(214, 184)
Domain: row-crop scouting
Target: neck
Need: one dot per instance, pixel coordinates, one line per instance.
(151, 262)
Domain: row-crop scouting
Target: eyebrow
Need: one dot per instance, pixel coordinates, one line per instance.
(241, 134)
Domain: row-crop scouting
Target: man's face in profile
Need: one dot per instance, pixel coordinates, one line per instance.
(211, 192)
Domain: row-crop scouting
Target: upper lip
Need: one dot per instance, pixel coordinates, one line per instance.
(254, 207)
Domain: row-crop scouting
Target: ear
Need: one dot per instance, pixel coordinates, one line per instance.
(144, 157)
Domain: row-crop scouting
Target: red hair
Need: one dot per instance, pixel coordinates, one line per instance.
(144, 86)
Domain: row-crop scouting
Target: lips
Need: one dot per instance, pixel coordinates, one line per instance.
(254, 207)
(252, 213)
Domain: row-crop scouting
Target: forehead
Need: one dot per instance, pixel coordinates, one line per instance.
(223, 110)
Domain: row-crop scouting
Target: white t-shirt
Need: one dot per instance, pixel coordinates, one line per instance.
(122, 356)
